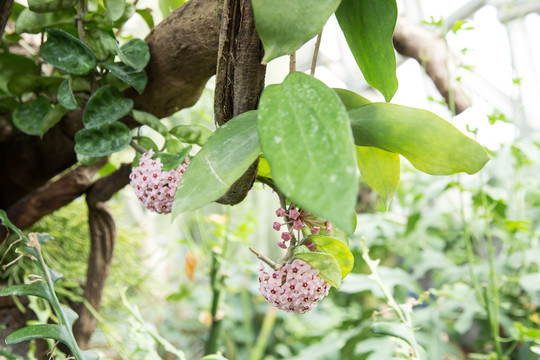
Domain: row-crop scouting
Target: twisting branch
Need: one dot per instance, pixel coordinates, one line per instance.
(102, 240)
(5, 12)
(430, 51)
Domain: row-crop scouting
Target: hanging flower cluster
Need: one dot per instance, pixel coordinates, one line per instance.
(298, 219)
(156, 188)
(296, 287)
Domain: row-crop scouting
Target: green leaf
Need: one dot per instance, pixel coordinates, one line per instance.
(147, 143)
(329, 269)
(351, 99)
(7, 223)
(192, 134)
(115, 9)
(66, 97)
(29, 116)
(285, 25)
(229, 152)
(105, 106)
(398, 330)
(135, 78)
(430, 143)
(102, 44)
(41, 6)
(306, 137)
(67, 53)
(171, 161)
(12, 65)
(338, 249)
(21, 84)
(146, 14)
(43, 331)
(150, 120)
(52, 118)
(135, 53)
(37, 289)
(33, 23)
(368, 27)
(380, 170)
(102, 140)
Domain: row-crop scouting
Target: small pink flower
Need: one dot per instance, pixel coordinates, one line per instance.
(297, 225)
(315, 230)
(282, 245)
(294, 213)
(276, 226)
(156, 188)
(296, 287)
(280, 212)
(286, 236)
(329, 227)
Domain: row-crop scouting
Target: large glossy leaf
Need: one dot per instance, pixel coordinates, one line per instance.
(430, 143)
(32, 22)
(368, 27)
(115, 8)
(150, 120)
(329, 269)
(380, 170)
(12, 65)
(351, 99)
(135, 78)
(192, 134)
(105, 106)
(285, 25)
(306, 138)
(41, 6)
(67, 53)
(102, 140)
(52, 118)
(338, 249)
(29, 116)
(66, 97)
(226, 156)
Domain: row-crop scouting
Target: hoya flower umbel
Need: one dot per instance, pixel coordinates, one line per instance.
(298, 219)
(156, 188)
(296, 287)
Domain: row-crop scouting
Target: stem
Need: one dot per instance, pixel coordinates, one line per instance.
(315, 54)
(212, 342)
(81, 14)
(292, 62)
(262, 257)
(137, 147)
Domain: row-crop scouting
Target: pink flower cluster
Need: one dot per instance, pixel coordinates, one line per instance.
(298, 219)
(296, 287)
(156, 188)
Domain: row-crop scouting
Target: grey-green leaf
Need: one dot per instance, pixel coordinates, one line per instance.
(192, 134)
(37, 289)
(33, 22)
(380, 170)
(67, 53)
(368, 27)
(135, 78)
(226, 156)
(43, 331)
(150, 120)
(115, 9)
(12, 65)
(430, 143)
(52, 118)
(102, 140)
(105, 106)
(41, 6)
(29, 116)
(135, 53)
(66, 97)
(306, 137)
(285, 25)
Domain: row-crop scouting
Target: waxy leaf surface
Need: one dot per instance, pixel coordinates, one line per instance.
(33, 22)
(133, 77)
(105, 106)
(67, 53)
(28, 116)
(102, 140)
(338, 249)
(328, 266)
(66, 97)
(229, 152)
(368, 27)
(380, 170)
(306, 137)
(430, 143)
(285, 25)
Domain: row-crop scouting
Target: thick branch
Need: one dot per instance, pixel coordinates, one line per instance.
(102, 240)
(5, 12)
(239, 78)
(430, 51)
(183, 57)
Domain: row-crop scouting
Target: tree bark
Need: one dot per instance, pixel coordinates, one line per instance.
(183, 51)
(239, 78)
(5, 12)
(102, 240)
(431, 52)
